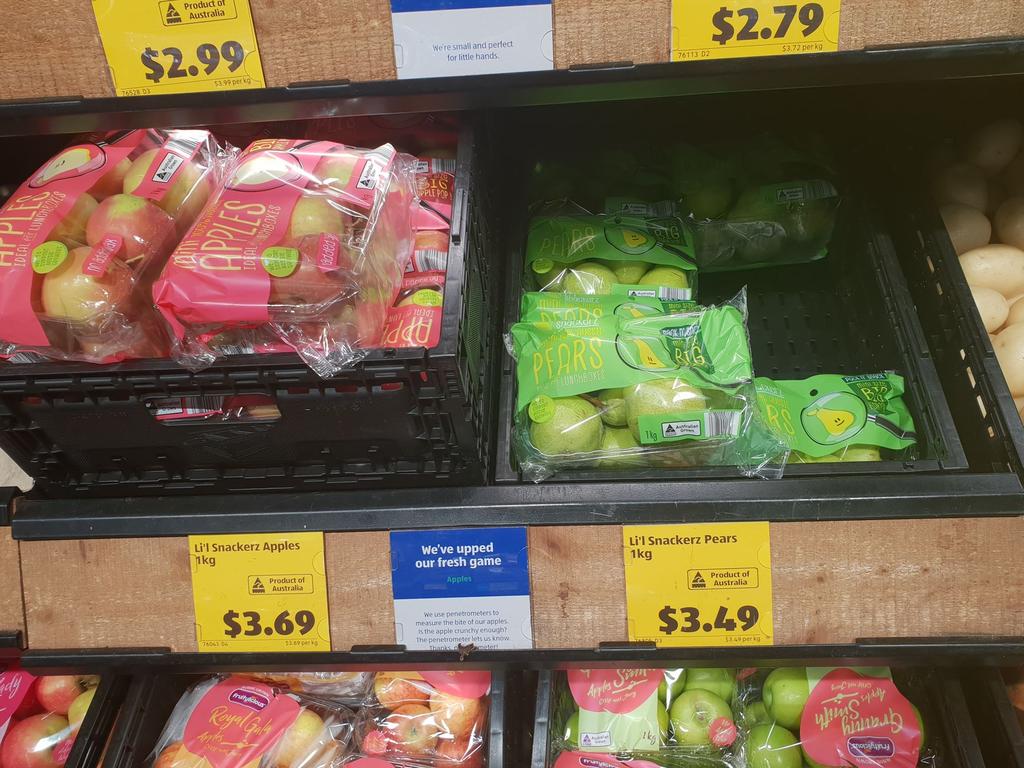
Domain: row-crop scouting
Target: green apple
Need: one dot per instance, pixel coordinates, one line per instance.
(693, 713)
(715, 680)
(589, 277)
(772, 746)
(662, 397)
(628, 272)
(572, 730)
(756, 713)
(614, 413)
(662, 723)
(785, 693)
(621, 449)
(672, 686)
(569, 425)
(669, 277)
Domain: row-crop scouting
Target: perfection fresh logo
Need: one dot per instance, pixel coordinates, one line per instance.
(254, 700)
(871, 746)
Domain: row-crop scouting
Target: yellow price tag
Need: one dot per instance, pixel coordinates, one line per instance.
(699, 584)
(179, 46)
(260, 592)
(729, 29)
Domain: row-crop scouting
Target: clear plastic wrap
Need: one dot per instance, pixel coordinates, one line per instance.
(725, 718)
(234, 722)
(41, 716)
(83, 239)
(830, 418)
(622, 384)
(430, 719)
(306, 242)
(347, 687)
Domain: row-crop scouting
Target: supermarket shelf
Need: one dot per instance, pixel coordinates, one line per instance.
(864, 497)
(604, 82)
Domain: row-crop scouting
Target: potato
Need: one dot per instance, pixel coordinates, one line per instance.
(1009, 222)
(996, 195)
(995, 266)
(961, 183)
(1009, 349)
(992, 147)
(1016, 314)
(968, 227)
(1013, 176)
(992, 307)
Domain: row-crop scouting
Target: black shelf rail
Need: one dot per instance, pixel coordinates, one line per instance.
(950, 651)
(863, 497)
(607, 82)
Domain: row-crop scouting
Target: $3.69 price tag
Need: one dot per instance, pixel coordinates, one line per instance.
(179, 46)
(260, 592)
(700, 584)
(713, 29)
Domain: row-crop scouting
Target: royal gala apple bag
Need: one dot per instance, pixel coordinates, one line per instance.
(624, 385)
(82, 240)
(429, 719)
(306, 242)
(235, 722)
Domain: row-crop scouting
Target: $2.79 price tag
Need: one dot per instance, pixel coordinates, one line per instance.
(260, 592)
(179, 46)
(699, 584)
(713, 29)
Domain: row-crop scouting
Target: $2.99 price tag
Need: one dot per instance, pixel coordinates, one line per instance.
(699, 584)
(179, 46)
(713, 29)
(260, 592)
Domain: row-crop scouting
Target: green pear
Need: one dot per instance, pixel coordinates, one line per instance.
(669, 277)
(628, 272)
(854, 453)
(589, 277)
(614, 413)
(712, 199)
(661, 397)
(621, 450)
(573, 426)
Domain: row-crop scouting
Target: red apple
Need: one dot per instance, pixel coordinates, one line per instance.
(111, 182)
(145, 229)
(315, 215)
(30, 704)
(72, 229)
(71, 295)
(308, 285)
(460, 753)
(186, 195)
(455, 714)
(393, 689)
(30, 743)
(58, 692)
(413, 729)
(376, 742)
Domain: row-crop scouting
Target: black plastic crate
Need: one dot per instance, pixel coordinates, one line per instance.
(936, 692)
(151, 698)
(999, 728)
(402, 417)
(848, 313)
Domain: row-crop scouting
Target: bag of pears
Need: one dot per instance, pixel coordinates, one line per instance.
(628, 389)
(830, 418)
(573, 251)
(584, 308)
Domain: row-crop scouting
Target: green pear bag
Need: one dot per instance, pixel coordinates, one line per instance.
(584, 308)
(618, 391)
(831, 418)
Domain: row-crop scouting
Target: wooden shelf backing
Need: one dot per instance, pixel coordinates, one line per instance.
(834, 582)
(12, 611)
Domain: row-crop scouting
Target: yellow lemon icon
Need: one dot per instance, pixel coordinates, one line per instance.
(835, 422)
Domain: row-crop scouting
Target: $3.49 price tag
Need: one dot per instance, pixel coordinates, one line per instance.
(699, 584)
(713, 29)
(260, 592)
(179, 46)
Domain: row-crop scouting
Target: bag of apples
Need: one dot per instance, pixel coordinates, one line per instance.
(430, 719)
(82, 240)
(40, 717)
(306, 241)
(232, 722)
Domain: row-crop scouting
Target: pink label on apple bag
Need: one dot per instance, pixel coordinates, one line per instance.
(590, 760)
(857, 720)
(467, 684)
(62, 751)
(14, 686)
(613, 690)
(238, 721)
(99, 257)
(435, 185)
(175, 153)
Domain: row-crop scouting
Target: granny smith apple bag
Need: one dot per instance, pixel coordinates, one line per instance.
(305, 243)
(828, 418)
(617, 383)
(83, 238)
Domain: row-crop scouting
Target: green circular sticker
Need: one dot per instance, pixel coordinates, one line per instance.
(542, 266)
(280, 262)
(48, 256)
(541, 409)
(426, 297)
(834, 418)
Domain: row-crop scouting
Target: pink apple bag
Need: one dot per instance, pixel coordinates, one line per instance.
(83, 238)
(305, 243)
